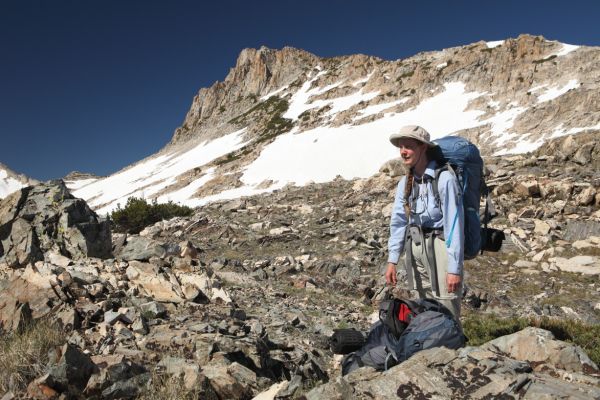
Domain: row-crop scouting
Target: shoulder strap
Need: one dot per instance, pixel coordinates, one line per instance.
(434, 183)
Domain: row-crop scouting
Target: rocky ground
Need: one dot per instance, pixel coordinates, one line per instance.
(240, 298)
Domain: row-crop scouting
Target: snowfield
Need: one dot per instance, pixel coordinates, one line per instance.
(316, 155)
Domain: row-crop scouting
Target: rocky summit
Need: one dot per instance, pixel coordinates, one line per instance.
(46, 217)
(238, 300)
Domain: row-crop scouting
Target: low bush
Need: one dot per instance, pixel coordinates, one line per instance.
(169, 388)
(24, 355)
(138, 214)
(483, 328)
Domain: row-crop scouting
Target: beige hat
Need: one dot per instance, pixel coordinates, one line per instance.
(412, 132)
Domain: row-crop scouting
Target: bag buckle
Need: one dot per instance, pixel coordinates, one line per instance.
(415, 234)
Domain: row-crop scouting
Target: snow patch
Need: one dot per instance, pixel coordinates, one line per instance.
(494, 43)
(539, 87)
(494, 103)
(153, 175)
(555, 91)
(235, 193)
(377, 108)
(363, 80)
(8, 184)
(274, 93)
(343, 103)
(501, 124)
(299, 101)
(521, 146)
(186, 193)
(586, 128)
(78, 184)
(560, 131)
(566, 49)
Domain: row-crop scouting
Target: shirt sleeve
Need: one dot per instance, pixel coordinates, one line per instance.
(454, 220)
(398, 224)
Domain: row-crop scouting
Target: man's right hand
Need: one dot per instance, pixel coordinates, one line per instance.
(390, 274)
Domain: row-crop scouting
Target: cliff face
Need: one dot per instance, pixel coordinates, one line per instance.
(256, 73)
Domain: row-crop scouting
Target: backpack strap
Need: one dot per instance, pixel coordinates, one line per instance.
(436, 178)
(431, 261)
(408, 261)
(436, 193)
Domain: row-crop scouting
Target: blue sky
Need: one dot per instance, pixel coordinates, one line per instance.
(96, 85)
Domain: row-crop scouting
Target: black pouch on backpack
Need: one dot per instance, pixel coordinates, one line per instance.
(344, 341)
(492, 239)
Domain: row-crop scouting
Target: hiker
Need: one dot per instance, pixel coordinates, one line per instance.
(420, 225)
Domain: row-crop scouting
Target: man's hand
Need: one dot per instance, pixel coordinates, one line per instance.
(390, 274)
(453, 282)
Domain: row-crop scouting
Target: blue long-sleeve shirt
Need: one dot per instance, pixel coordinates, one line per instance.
(427, 214)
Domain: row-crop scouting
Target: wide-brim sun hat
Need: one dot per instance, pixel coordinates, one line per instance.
(412, 132)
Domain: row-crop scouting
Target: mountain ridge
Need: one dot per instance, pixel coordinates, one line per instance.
(290, 117)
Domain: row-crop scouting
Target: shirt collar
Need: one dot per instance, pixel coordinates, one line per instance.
(430, 169)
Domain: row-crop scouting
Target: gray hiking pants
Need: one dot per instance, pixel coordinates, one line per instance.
(421, 271)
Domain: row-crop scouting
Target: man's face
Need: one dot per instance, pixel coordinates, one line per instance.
(411, 151)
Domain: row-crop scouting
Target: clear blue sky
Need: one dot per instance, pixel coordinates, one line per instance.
(96, 85)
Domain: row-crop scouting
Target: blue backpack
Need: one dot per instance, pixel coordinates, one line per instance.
(462, 158)
(429, 324)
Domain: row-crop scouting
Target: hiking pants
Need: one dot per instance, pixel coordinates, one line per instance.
(421, 273)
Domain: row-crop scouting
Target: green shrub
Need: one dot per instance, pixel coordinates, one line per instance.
(483, 328)
(138, 214)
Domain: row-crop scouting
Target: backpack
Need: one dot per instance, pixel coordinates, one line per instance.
(462, 158)
(426, 324)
